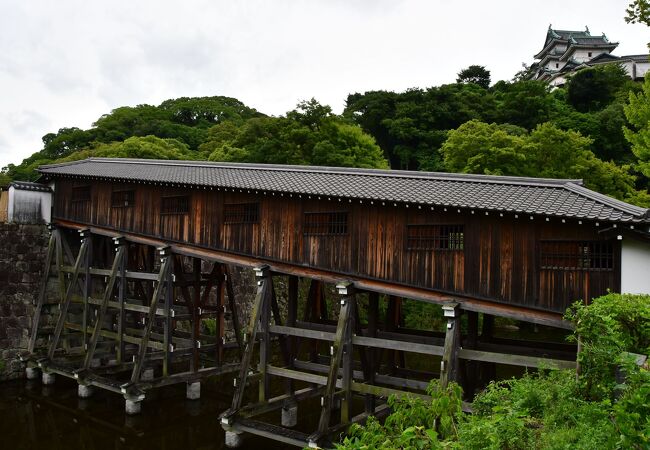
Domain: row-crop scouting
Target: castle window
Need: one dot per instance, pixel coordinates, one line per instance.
(589, 54)
(577, 255)
(178, 204)
(557, 65)
(122, 199)
(80, 194)
(326, 223)
(241, 213)
(435, 237)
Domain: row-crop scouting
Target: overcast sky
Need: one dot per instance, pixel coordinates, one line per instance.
(65, 63)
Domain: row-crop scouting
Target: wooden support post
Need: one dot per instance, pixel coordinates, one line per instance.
(373, 318)
(347, 289)
(335, 362)
(121, 299)
(51, 249)
(168, 300)
(220, 322)
(108, 293)
(68, 294)
(290, 407)
(163, 278)
(265, 343)
(449, 363)
(234, 312)
(471, 367)
(87, 286)
(262, 274)
(196, 318)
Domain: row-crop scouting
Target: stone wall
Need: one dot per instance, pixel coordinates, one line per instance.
(23, 249)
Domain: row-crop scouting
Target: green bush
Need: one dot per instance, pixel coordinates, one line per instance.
(542, 410)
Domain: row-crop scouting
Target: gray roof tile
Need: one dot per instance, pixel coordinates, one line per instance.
(551, 197)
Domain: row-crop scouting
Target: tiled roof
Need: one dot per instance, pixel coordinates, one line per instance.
(28, 186)
(591, 40)
(539, 196)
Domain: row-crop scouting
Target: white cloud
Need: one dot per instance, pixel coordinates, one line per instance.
(65, 63)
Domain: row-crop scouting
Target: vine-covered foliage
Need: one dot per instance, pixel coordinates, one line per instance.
(543, 410)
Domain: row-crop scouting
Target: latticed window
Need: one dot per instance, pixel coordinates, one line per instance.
(81, 194)
(577, 255)
(179, 204)
(122, 199)
(435, 237)
(241, 213)
(326, 223)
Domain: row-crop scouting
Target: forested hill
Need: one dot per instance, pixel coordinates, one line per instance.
(595, 128)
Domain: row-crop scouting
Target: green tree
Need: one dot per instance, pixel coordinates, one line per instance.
(146, 147)
(547, 151)
(310, 134)
(594, 88)
(638, 115)
(525, 103)
(478, 147)
(638, 12)
(475, 74)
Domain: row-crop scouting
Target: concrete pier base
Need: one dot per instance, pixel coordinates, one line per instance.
(193, 391)
(84, 391)
(31, 373)
(48, 378)
(147, 375)
(132, 407)
(234, 439)
(289, 415)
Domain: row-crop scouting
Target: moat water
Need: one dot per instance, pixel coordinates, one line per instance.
(33, 416)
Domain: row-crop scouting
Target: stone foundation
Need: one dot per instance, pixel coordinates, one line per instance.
(23, 249)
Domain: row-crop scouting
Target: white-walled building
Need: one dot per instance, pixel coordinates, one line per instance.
(25, 202)
(567, 51)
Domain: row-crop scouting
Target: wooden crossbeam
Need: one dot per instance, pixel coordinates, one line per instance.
(51, 249)
(108, 293)
(249, 341)
(332, 376)
(67, 298)
(163, 276)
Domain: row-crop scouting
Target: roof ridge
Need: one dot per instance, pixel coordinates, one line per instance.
(460, 177)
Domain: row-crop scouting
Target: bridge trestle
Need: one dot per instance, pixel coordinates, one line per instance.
(131, 317)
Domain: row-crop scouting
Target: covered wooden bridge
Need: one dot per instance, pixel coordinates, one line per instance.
(158, 240)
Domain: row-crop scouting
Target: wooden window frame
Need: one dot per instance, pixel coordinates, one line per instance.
(179, 212)
(123, 198)
(435, 237)
(337, 223)
(75, 198)
(241, 213)
(586, 255)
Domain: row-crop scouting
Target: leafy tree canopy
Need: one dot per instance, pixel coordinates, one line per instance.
(146, 147)
(475, 74)
(547, 151)
(310, 134)
(593, 88)
(638, 114)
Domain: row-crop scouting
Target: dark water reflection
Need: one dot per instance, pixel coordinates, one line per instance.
(33, 416)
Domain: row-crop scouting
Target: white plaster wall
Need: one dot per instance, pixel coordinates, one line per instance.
(10, 204)
(29, 206)
(583, 55)
(642, 68)
(635, 266)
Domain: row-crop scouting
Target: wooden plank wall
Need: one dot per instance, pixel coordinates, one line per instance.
(500, 260)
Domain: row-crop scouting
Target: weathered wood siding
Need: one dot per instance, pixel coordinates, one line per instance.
(500, 258)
